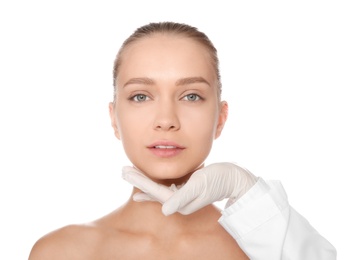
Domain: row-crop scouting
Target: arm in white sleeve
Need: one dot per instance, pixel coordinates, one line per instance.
(266, 227)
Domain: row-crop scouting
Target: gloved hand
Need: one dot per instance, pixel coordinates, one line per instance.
(212, 183)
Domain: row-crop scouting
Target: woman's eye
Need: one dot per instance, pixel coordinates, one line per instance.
(192, 97)
(139, 98)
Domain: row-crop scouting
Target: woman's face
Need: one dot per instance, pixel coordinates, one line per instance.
(167, 112)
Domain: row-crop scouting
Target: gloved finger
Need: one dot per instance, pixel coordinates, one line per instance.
(157, 191)
(140, 197)
(191, 207)
(185, 200)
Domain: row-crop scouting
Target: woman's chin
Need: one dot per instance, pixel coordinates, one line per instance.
(171, 176)
(174, 180)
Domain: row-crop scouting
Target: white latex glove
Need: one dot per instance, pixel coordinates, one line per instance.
(151, 191)
(212, 183)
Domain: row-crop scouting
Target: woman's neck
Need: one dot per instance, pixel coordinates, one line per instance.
(147, 217)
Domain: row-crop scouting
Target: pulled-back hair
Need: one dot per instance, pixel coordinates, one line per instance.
(173, 29)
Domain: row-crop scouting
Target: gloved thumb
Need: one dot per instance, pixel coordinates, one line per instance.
(185, 200)
(170, 207)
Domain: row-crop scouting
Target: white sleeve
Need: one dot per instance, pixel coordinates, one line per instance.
(266, 227)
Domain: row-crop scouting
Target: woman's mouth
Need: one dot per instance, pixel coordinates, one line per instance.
(166, 150)
(165, 147)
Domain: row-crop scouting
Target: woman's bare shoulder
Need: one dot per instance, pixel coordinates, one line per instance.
(69, 242)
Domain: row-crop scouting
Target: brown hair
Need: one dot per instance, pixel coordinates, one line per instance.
(172, 28)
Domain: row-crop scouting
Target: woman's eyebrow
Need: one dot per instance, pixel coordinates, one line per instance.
(191, 80)
(179, 82)
(142, 81)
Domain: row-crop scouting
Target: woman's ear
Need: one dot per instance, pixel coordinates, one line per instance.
(222, 118)
(112, 112)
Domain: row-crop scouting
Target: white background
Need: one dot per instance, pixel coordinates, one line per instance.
(283, 65)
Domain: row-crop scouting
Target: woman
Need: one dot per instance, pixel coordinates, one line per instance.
(167, 111)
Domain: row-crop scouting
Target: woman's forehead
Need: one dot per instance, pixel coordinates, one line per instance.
(160, 41)
(166, 58)
(166, 51)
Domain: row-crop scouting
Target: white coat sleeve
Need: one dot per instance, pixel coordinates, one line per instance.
(266, 227)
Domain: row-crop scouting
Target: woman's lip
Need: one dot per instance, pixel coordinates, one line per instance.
(165, 145)
(165, 151)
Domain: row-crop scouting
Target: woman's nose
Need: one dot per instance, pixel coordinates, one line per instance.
(166, 118)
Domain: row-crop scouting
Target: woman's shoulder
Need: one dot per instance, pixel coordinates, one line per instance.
(77, 241)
